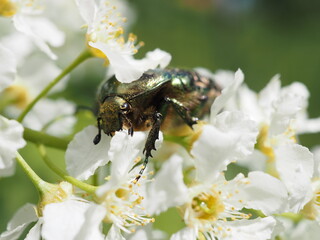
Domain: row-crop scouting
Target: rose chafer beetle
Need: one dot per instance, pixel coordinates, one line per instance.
(159, 99)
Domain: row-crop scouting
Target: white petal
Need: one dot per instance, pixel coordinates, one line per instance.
(124, 149)
(114, 234)
(264, 192)
(295, 166)
(226, 94)
(297, 89)
(20, 45)
(63, 220)
(147, 233)
(308, 126)
(223, 77)
(35, 231)
(87, 9)
(316, 155)
(231, 139)
(58, 119)
(257, 229)
(269, 94)
(286, 109)
(10, 141)
(121, 64)
(246, 101)
(305, 229)
(8, 67)
(22, 218)
(125, 67)
(91, 228)
(154, 59)
(41, 31)
(254, 162)
(83, 157)
(211, 157)
(185, 234)
(168, 189)
(281, 224)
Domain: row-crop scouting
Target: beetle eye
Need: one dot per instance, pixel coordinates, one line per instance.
(124, 106)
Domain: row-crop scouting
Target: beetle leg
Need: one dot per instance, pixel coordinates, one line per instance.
(97, 138)
(182, 111)
(153, 135)
(150, 143)
(130, 131)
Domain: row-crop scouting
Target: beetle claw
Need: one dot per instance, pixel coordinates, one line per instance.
(97, 139)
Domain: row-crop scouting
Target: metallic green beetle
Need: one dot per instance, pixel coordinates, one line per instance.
(159, 99)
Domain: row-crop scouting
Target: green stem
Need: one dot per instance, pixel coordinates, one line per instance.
(43, 138)
(36, 180)
(84, 186)
(82, 57)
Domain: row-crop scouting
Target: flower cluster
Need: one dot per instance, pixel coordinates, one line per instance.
(276, 196)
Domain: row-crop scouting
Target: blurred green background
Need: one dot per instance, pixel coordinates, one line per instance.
(262, 37)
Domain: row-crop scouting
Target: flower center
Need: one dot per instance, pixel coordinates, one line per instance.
(108, 28)
(207, 206)
(312, 209)
(124, 208)
(7, 8)
(17, 95)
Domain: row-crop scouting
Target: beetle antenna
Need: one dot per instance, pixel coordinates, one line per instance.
(143, 167)
(97, 138)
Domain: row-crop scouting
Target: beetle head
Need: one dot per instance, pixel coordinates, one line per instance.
(111, 114)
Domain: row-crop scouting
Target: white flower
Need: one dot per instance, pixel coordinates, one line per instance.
(212, 207)
(276, 110)
(8, 67)
(105, 36)
(210, 201)
(27, 19)
(10, 141)
(65, 217)
(119, 196)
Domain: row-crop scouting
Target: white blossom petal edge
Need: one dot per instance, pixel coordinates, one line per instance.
(11, 140)
(71, 220)
(166, 192)
(22, 218)
(83, 157)
(234, 138)
(8, 67)
(226, 94)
